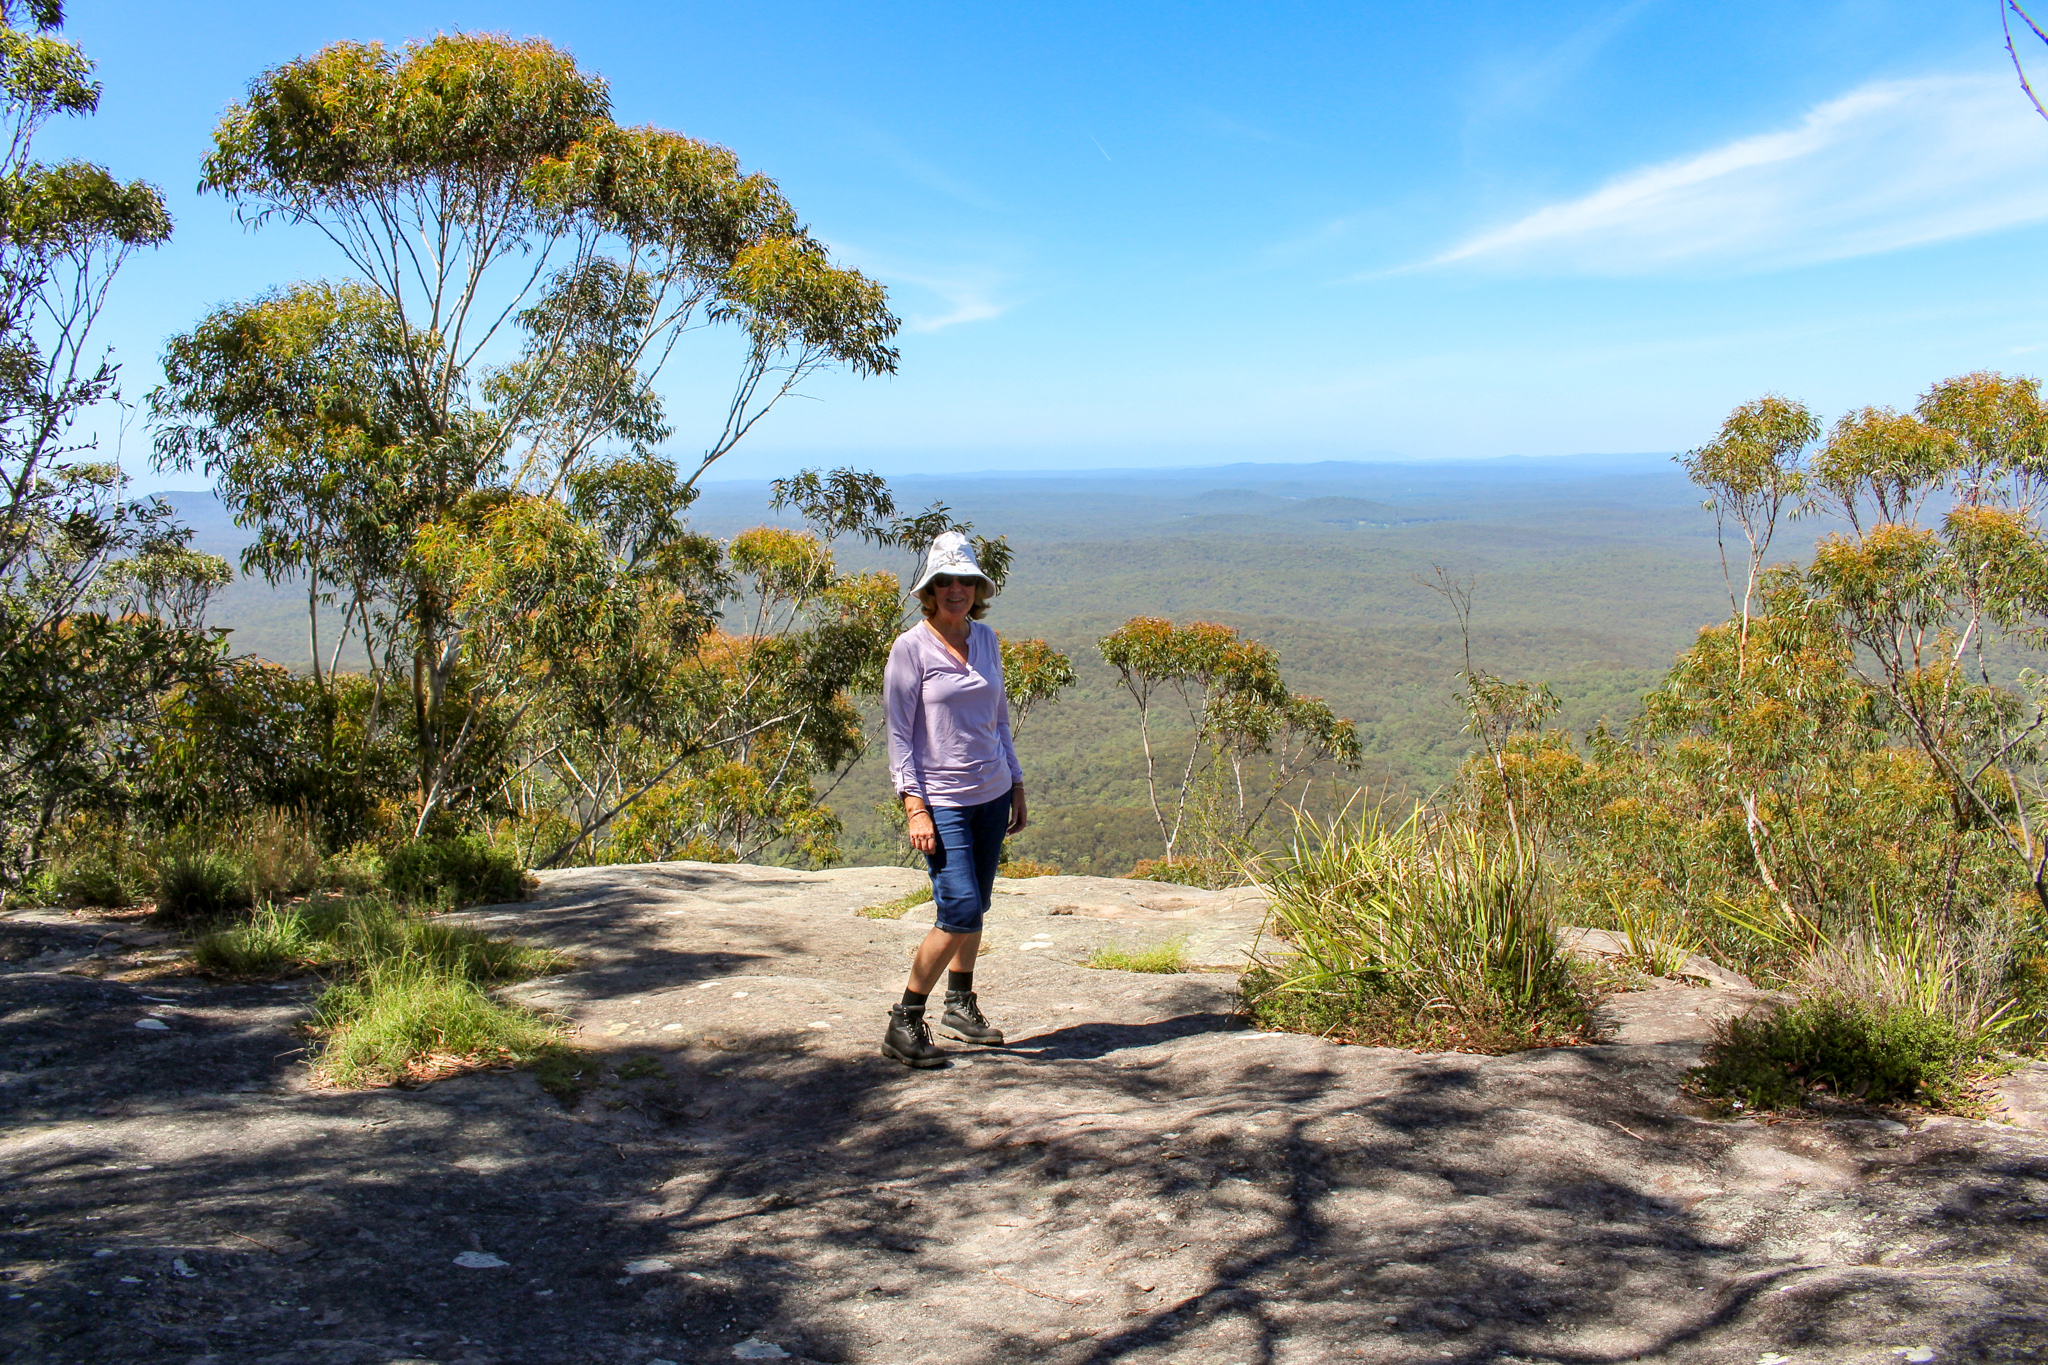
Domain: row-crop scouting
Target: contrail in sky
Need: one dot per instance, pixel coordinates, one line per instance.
(1100, 148)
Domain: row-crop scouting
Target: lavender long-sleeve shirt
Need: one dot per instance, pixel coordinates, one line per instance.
(949, 722)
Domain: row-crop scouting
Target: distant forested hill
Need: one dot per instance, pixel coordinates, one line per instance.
(1591, 573)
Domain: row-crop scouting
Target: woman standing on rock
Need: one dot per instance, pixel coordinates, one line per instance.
(956, 773)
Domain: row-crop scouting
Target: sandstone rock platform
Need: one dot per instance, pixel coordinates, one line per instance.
(1138, 1176)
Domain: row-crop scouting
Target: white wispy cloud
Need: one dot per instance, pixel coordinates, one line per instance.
(959, 301)
(930, 296)
(1888, 165)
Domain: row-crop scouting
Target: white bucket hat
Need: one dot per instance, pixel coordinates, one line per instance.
(950, 553)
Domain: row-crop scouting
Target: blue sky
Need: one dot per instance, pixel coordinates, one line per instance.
(1151, 234)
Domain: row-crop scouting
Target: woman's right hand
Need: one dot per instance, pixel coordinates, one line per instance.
(924, 831)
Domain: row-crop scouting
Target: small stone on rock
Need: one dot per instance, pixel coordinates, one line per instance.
(152, 1023)
(480, 1260)
(753, 1348)
(650, 1266)
(183, 1271)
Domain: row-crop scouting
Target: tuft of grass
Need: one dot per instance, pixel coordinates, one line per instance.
(898, 908)
(1659, 940)
(1839, 1046)
(1426, 934)
(361, 932)
(276, 852)
(1171, 956)
(1027, 867)
(1209, 873)
(408, 1018)
(275, 942)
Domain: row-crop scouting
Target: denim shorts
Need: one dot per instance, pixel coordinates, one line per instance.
(964, 865)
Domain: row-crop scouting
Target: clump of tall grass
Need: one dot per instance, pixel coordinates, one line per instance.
(1170, 956)
(199, 886)
(277, 852)
(216, 872)
(1429, 934)
(1897, 1006)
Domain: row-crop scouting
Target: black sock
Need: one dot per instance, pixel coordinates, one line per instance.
(912, 1000)
(959, 981)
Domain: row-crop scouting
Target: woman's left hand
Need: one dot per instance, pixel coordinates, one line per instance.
(1018, 819)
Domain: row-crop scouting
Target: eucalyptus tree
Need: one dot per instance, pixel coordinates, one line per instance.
(1752, 471)
(99, 597)
(1923, 604)
(1228, 692)
(522, 269)
(1034, 676)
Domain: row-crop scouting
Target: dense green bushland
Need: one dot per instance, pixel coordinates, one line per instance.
(101, 599)
(1838, 791)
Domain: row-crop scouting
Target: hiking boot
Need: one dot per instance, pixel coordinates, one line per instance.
(909, 1039)
(963, 1020)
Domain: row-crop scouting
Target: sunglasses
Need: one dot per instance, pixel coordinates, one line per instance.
(946, 580)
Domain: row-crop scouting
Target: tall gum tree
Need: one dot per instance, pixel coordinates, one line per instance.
(523, 268)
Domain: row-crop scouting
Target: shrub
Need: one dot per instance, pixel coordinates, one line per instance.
(459, 870)
(1170, 956)
(356, 869)
(1846, 1046)
(898, 908)
(1426, 934)
(195, 887)
(92, 877)
(92, 862)
(1028, 867)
